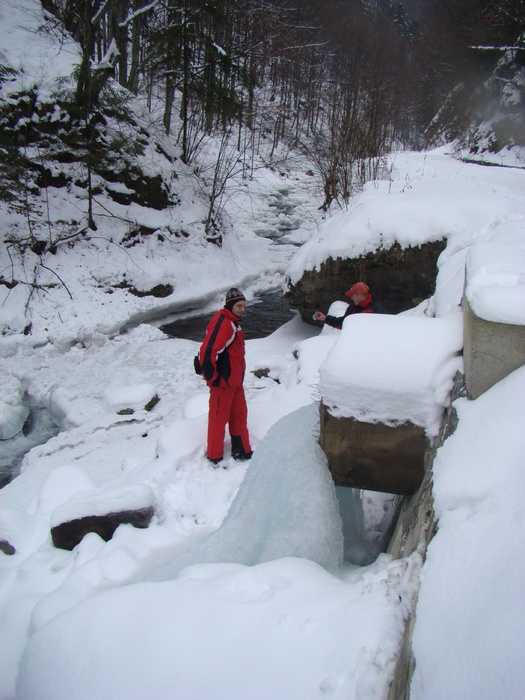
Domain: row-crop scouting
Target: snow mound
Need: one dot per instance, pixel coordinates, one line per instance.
(276, 630)
(13, 410)
(99, 503)
(469, 635)
(496, 282)
(393, 369)
(135, 396)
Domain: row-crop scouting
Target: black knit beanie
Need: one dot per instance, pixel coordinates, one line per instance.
(232, 297)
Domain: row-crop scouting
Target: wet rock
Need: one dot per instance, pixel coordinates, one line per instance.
(152, 403)
(6, 547)
(68, 534)
(159, 291)
(264, 373)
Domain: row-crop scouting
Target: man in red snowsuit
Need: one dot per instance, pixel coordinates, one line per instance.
(223, 365)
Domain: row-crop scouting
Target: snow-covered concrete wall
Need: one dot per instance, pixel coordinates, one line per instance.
(492, 351)
(494, 310)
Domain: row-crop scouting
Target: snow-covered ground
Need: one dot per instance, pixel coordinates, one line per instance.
(238, 588)
(235, 584)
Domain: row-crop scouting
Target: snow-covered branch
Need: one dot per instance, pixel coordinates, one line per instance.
(138, 13)
(101, 11)
(108, 60)
(497, 48)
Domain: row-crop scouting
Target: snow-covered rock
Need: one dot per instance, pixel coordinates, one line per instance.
(13, 410)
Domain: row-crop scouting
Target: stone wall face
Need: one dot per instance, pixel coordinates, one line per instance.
(415, 527)
(373, 456)
(399, 278)
(491, 351)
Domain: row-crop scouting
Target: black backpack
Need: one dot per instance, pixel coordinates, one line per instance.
(197, 365)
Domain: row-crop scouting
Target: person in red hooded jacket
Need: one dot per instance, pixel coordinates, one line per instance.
(223, 365)
(362, 302)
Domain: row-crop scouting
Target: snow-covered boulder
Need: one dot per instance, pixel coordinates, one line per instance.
(102, 513)
(132, 397)
(13, 410)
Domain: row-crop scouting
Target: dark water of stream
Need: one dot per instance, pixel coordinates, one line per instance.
(264, 315)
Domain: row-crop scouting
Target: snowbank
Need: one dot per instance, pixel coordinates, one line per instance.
(431, 201)
(276, 630)
(393, 369)
(496, 282)
(469, 635)
(98, 503)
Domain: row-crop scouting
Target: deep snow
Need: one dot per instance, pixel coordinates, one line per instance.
(255, 613)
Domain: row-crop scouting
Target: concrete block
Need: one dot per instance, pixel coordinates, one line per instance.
(491, 351)
(373, 456)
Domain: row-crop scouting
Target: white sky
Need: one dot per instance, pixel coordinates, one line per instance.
(237, 588)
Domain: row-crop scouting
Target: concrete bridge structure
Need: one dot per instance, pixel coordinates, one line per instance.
(378, 457)
(399, 459)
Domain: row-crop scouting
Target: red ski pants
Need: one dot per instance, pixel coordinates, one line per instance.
(227, 406)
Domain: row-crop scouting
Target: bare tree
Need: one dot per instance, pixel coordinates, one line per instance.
(227, 165)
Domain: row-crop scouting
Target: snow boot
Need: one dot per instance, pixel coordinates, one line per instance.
(215, 462)
(238, 451)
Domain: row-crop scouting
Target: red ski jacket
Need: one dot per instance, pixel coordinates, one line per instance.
(222, 352)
